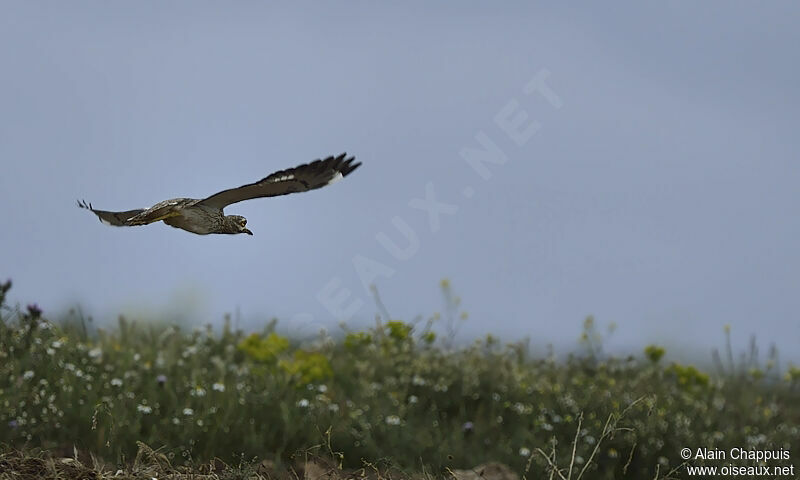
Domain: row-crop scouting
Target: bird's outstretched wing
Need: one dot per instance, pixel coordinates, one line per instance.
(299, 179)
(117, 219)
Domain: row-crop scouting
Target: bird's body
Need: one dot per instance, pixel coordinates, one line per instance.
(200, 220)
(183, 213)
(206, 216)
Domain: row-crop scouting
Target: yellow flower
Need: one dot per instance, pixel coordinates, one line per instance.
(398, 330)
(654, 353)
(264, 349)
(310, 366)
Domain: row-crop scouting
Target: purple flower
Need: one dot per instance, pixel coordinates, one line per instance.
(161, 379)
(468, 427)
(34, 310)
(13, 424)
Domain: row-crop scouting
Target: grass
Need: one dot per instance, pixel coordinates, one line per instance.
(389, 402)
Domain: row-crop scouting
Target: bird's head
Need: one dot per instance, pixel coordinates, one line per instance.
(239, 223)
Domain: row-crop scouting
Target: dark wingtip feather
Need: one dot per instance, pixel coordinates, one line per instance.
(347, 166)
(351, 167)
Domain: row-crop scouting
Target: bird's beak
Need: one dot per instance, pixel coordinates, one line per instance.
(247, 231)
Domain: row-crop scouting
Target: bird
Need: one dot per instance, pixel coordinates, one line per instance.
(206, 216)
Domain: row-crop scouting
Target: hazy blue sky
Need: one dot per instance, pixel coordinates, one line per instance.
(651, 177)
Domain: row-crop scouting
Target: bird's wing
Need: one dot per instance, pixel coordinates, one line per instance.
(117, 219)
(160, 211)
(299, 179)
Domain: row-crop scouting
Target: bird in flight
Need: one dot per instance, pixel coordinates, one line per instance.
(205, 216)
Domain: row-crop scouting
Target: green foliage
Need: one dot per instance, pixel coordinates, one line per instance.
(4, 288)
(688, 375)
(355, 340)
(398, 330)
(376, 394)
(308, 366)
(793, 374)
(428, 337)
(264, 350)
(654, 353)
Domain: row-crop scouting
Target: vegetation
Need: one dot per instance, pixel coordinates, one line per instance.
(391, 395)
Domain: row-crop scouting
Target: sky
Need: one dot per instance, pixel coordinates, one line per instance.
(638, 163)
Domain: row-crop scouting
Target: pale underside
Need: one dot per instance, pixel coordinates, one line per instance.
(181, 213)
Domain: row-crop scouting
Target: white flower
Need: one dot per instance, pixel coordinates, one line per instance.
(198, 392)
(333, 407)
(56, 344)
(188, 412)
(302, 403)
(28, 374)
(144, 409)
(525, 452)
(322, 388)
(116, 382)
(50, 351)
(218, 387)
(413, 399)
(418, 381)
(393, 420)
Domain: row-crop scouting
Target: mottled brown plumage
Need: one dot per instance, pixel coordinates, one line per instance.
(205, 216)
